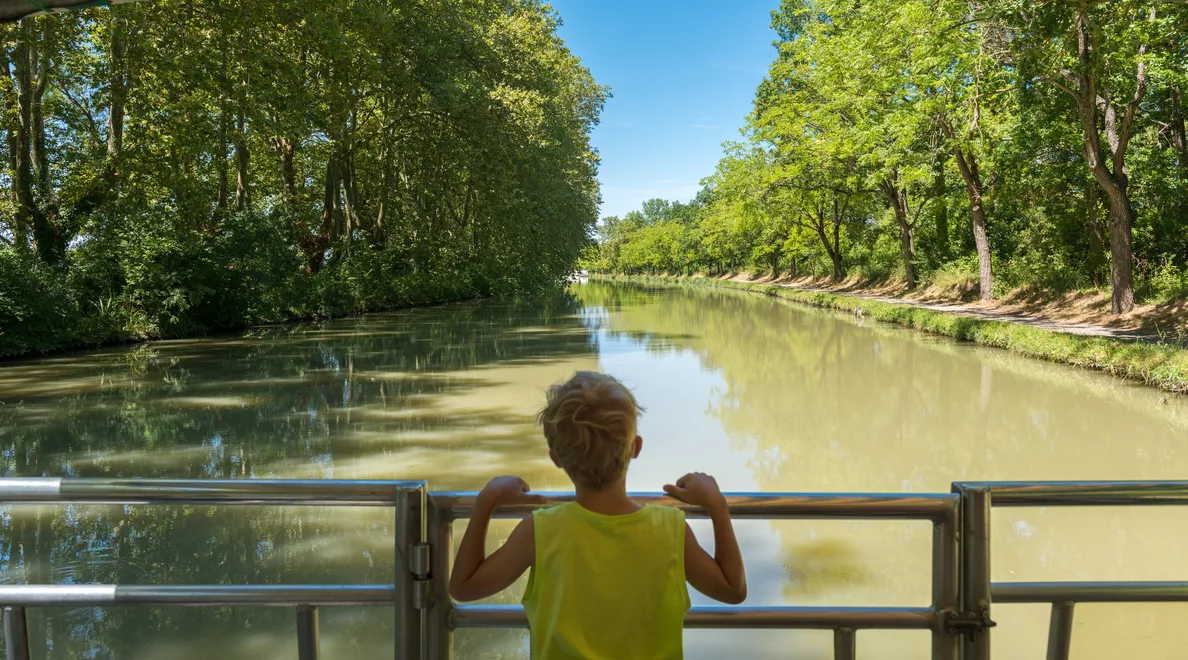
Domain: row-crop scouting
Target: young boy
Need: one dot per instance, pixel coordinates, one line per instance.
(608, 574)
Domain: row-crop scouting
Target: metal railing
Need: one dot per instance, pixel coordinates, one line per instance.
(941, 618)
(978, 498)
(958, 617)
(408, 498)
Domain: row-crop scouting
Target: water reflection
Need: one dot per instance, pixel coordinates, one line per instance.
(810, 401)
(445, 393)
(765, 395)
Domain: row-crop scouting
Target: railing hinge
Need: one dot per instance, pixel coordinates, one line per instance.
(418, 565)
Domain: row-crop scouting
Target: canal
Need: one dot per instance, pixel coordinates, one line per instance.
(764, 395)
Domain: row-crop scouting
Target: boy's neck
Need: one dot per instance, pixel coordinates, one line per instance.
(611, 501)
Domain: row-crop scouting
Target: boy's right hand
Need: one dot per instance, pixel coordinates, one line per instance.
(697, 488)
(502, 491)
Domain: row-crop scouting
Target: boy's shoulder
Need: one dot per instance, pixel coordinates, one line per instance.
(668, 511)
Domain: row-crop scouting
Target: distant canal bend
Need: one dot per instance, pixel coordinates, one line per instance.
(764, 395)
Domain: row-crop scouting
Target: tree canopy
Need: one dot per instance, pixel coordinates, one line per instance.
(1056, 130)
(176, 167)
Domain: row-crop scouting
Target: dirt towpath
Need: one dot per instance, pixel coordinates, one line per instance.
(1036, 320)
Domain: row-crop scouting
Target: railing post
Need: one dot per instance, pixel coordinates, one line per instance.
(845, 644)
(1060, 631)
(308, 647)
(440, 633)
(946, 642)
(975, 570)
(16, 633)
(411, 564)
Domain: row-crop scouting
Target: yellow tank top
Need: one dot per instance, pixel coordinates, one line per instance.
(607, 587)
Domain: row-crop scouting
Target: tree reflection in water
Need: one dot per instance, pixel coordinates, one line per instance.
(821, 401)
(444, 393)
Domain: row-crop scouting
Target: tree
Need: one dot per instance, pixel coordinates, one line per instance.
(209, 164)
(1097, 54)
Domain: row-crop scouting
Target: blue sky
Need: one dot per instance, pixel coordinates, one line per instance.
(682, 75)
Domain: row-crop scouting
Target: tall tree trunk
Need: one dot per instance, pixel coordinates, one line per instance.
(316, 246)
(242, 157)
(967, 164)
(285, 147)
(27, 214)
(40, 63)
(1179, 139)
(117, 89)
(1121, 251)
(1096, 229)
(224, 179)
(102, 189)
(1121, 217)
(350, 198)
(939, 188)
(820, 223)
(11, 110)
(907, 240)
(839, 270)
(1111, 176)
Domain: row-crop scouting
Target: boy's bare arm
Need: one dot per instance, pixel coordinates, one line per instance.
(721, 577)
(477, 576)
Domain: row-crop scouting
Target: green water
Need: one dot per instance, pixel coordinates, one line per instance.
(764, 395)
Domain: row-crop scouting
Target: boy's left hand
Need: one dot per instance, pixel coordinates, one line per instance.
(508, 490)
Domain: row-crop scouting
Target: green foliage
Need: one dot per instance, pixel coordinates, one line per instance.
(36, 307)
(181, 168)
(887, 132)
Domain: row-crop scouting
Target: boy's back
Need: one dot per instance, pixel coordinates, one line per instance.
(607, 587)
(608, 575)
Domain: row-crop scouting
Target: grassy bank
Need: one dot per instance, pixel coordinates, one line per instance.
(1159, 365)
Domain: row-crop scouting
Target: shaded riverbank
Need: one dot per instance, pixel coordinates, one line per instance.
(1157, 364)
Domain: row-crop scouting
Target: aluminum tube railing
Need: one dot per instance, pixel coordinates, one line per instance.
(763, 506)
(408, 498)
(1090, 592)
(755, 618)
(959, 616)
(1065, 595)
(941, 618)
(207, 595)
(274, 492)
(978, 497)
(1084, 493)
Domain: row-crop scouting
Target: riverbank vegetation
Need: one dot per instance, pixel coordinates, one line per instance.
(1160, 365)
(1007, 144)
(172, 168)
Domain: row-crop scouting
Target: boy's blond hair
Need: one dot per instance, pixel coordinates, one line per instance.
(590, 421)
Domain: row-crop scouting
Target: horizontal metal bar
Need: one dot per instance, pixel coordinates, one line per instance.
(1089, 592)
(218, 595)
(1085, 493)
(767, 506)
(297, 492)
(820, 618)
